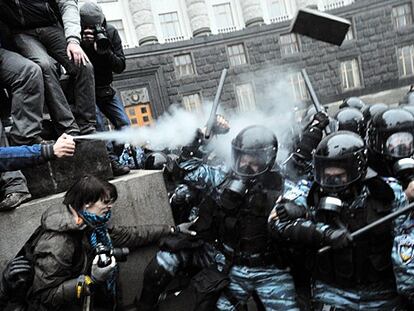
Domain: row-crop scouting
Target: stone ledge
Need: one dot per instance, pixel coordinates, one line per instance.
(142, 199)
(58, 175)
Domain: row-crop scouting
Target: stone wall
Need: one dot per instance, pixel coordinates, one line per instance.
(142, 200)
(375, 46)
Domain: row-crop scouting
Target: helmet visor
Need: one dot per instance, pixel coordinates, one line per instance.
(399, 145)
(335, 174)
(252, 162)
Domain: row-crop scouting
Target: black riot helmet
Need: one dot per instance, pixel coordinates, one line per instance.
(352, 102)
(409, 108)
(155, 161)
(370, 111)
(339, 161)
(351, 119)
(254, 151)
(408, 98)
(390, 134)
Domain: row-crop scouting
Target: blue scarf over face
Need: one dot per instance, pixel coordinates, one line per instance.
(98, 235)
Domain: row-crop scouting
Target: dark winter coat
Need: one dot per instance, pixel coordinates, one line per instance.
(63, 253)
(31, 14)
(112, 61)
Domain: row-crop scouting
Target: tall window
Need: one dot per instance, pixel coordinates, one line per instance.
(245, 97)
(237, 55)
(350, 75)
(192, 103)
(406, 61)
(183, 65)
(119, 25)
(223, 16)
(170, 25)
(289, 44)
(402, 16)
(350, 35)
(298, 84)
(278, 11)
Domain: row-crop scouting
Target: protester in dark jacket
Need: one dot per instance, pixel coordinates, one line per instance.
(38, 35)
(23, 80)
(16, 158)
(105, 63)
(65, 267)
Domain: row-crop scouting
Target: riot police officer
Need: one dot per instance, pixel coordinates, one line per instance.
(371, 110)
(353, 102)
(233, 226)
(390, 139)
(351, 119)
(354, 275)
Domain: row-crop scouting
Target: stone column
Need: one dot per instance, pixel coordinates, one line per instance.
(252, 12)
(143, 21)
(197, 12)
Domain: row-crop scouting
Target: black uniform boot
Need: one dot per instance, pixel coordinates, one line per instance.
(156, 280)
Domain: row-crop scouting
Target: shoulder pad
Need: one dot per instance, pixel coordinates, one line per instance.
(190, 165)
(381, 189)
(298, 190)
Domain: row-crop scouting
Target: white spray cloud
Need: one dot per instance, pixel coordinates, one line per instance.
(275, 109)
(174, 128)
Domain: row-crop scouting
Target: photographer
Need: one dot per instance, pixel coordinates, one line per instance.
(102, 44)
(66, 267)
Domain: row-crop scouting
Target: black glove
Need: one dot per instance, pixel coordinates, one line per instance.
(322, 120)
(288, 211)
(338, 238)
(17, 276)
(182, 195)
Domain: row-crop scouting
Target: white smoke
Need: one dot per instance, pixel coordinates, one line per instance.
(275, 109)
(174, 128)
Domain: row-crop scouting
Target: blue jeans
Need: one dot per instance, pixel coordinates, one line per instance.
(115, 112)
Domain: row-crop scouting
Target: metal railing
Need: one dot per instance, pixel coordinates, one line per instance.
(331, 5)
(227, 29)
(279, 19)
(174, 39)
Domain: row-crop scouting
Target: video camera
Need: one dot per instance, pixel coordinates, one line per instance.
(102, 42)
(105, 253)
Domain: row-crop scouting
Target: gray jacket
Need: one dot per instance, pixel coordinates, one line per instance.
(71, 18)
(29, 14)
(63, 253)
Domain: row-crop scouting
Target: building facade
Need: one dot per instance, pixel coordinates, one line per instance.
(176, 50)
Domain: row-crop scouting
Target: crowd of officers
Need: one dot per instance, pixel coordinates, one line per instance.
(251, 230)
(344, 173)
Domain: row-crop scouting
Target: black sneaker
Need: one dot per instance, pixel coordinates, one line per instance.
(13, 200)
(119, 169)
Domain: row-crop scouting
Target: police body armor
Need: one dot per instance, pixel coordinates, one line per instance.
(368, 260)
(244, 208)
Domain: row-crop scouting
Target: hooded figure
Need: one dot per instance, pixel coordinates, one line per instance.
(110, 60)
(103, 45)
